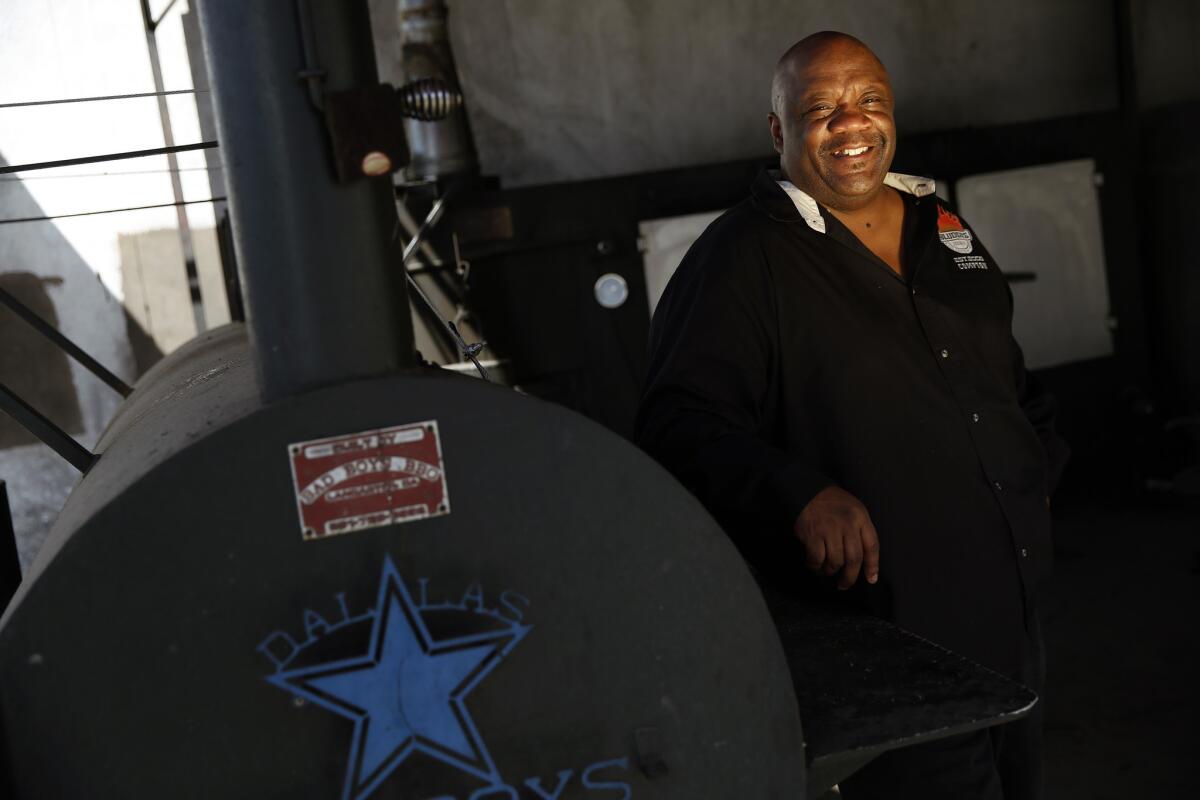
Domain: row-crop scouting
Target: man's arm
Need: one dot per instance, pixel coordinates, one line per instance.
(714, 351)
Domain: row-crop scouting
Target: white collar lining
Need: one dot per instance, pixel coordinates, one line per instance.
(810, 211)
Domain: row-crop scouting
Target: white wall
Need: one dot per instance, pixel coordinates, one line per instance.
(568, 90)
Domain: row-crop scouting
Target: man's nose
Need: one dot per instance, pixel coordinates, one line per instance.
(848, 119)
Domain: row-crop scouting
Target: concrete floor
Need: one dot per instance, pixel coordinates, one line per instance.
(1123, 650)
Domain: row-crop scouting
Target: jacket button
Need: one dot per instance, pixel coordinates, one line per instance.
(999, 486)
(975, 417)
(1024, 553)
(945, 354)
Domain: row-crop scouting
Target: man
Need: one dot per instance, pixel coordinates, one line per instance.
(833, 373)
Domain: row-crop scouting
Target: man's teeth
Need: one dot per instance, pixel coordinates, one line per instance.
(854, 151)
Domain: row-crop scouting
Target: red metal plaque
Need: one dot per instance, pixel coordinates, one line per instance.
(364, 480)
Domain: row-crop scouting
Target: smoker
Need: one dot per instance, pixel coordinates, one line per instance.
(303, 565)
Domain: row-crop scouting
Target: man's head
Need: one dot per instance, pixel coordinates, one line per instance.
(830, 98)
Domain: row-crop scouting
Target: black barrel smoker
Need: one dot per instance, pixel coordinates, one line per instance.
(303, 566)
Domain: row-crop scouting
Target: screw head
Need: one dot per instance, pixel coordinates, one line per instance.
(375, 164)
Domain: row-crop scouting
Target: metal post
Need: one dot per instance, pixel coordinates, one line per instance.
(212, 159)
(164, 116)
(10, 561)
(325, 301)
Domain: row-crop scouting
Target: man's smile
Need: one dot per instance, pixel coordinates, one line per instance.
(852, 152)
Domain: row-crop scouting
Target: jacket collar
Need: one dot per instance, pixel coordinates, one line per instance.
(782, 201)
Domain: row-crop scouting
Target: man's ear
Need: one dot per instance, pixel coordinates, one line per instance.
(776, 125)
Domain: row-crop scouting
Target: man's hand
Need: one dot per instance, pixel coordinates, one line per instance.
(838, 536)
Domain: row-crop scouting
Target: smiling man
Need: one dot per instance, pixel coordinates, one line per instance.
(833, 374)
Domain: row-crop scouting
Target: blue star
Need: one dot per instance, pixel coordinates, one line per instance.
(406, 695)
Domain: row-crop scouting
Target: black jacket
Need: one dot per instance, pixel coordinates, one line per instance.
(785, 359)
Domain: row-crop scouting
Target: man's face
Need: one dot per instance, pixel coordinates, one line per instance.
(835, 133)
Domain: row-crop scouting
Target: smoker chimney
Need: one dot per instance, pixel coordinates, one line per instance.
(325, 298)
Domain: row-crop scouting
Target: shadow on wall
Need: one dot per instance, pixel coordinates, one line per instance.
(41, 268)
(30, 364)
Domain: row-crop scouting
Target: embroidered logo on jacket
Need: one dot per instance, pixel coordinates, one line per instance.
(952, 233)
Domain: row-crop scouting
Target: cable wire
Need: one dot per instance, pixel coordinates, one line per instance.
(66, 162)
(108, 211)
(23, 178)
(111, 156)
(99, 98)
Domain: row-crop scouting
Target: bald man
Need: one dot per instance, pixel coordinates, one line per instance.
(833, 374)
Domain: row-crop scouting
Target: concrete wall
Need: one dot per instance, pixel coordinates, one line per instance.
(88, 313)
(156, 291)
(563, 90)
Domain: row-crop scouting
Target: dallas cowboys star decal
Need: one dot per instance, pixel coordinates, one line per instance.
(406, 694)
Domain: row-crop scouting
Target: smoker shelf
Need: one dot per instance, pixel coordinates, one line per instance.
(865, 686)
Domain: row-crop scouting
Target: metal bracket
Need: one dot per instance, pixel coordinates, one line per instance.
(366, 129)
(366, 124)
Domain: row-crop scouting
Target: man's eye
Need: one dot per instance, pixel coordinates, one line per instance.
(872, 99)
(819, 110)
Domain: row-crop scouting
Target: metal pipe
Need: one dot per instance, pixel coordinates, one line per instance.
(440, 147)
(212, 159)
(324, 303)
(164, 117)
